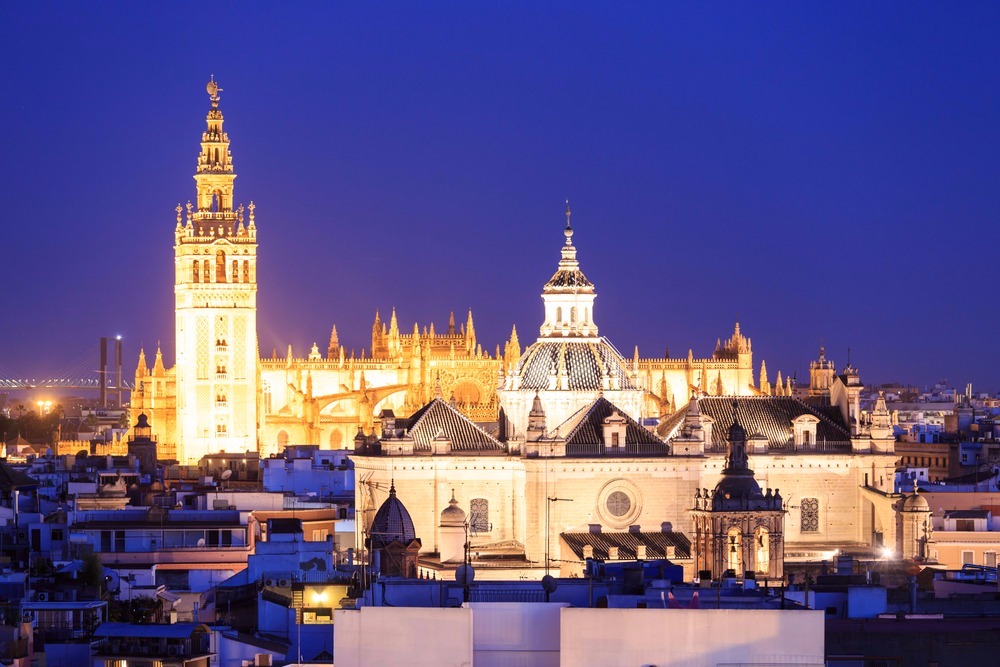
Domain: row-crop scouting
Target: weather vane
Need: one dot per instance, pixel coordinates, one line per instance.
(213, 90)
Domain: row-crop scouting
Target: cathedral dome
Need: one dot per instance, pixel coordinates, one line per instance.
(392, 522)
(551, 364)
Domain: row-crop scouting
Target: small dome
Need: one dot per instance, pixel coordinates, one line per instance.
(452, 515)
(739, 487)
(916, 503)
(392, 522)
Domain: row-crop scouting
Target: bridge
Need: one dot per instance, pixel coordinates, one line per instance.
(86, 371)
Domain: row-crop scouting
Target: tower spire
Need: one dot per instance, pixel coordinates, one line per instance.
(569, 295)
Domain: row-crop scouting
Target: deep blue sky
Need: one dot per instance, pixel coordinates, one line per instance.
(821, 172)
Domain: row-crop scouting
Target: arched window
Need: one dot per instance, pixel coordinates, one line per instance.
(559, 314)
(572, 315)
(236, 271)
(734, 551)
(220, 267)
(206, 271)
(246, 270)
(809, 520)
(479, 515)
(762, 544)
(282, 438)
(195, 272)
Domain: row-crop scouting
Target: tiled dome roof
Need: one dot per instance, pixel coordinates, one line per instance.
(392, 522)
(585, 364)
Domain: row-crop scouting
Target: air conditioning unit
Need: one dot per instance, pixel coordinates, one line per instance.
(284, 583)
(22, 535)
(269, 583)
(42, 596)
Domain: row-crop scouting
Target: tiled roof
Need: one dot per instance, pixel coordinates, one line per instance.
(14, 479)
(438, 417)
(569, 278)
(770, 416)
(967, 514)
(586, 427)
(392, 522)
(656, 544)
(585, 364)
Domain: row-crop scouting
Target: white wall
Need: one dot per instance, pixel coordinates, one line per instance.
(511, 633)
(690, 637)
(411, 636)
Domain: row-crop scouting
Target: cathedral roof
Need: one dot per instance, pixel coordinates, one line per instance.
(585, 427)
(392, 522)
(583, 365)
(770, 416)
(439, 418)
(656, 544)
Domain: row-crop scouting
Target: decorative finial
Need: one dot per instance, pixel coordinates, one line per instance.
(213, 91)
(569, 228)
(179, 209)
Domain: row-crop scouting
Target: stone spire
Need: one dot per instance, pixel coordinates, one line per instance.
(334, 346)
(451, 323)
(470, 333)
(141, 369)
(158, 369)
(779, 388)
(765, 386)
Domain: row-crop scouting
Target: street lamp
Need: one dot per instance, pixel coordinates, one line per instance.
(548, 504)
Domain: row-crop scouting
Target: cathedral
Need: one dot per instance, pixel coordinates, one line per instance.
(564, 449)
(221, 396)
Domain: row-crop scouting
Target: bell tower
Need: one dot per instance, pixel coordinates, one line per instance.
(215, 289)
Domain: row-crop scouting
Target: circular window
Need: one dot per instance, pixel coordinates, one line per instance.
(618, 504)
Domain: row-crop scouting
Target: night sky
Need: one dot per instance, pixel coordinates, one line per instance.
(821, 173)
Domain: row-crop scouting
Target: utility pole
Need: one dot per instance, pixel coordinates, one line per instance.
(548, 505)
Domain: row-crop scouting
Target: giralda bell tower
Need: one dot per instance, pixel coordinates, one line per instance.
(215, 260)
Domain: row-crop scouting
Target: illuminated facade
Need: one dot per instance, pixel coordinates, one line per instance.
(221, 396)
(208, 401)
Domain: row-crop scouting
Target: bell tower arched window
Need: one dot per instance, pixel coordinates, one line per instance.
(206, 271)
(236, 271)
(195, 272)
(246, 270)
(734, 550)
(220, 267)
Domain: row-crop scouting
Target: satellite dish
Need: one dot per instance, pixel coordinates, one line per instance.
(226, 474)
(465, 575)
(201, 542)
(549, 583)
